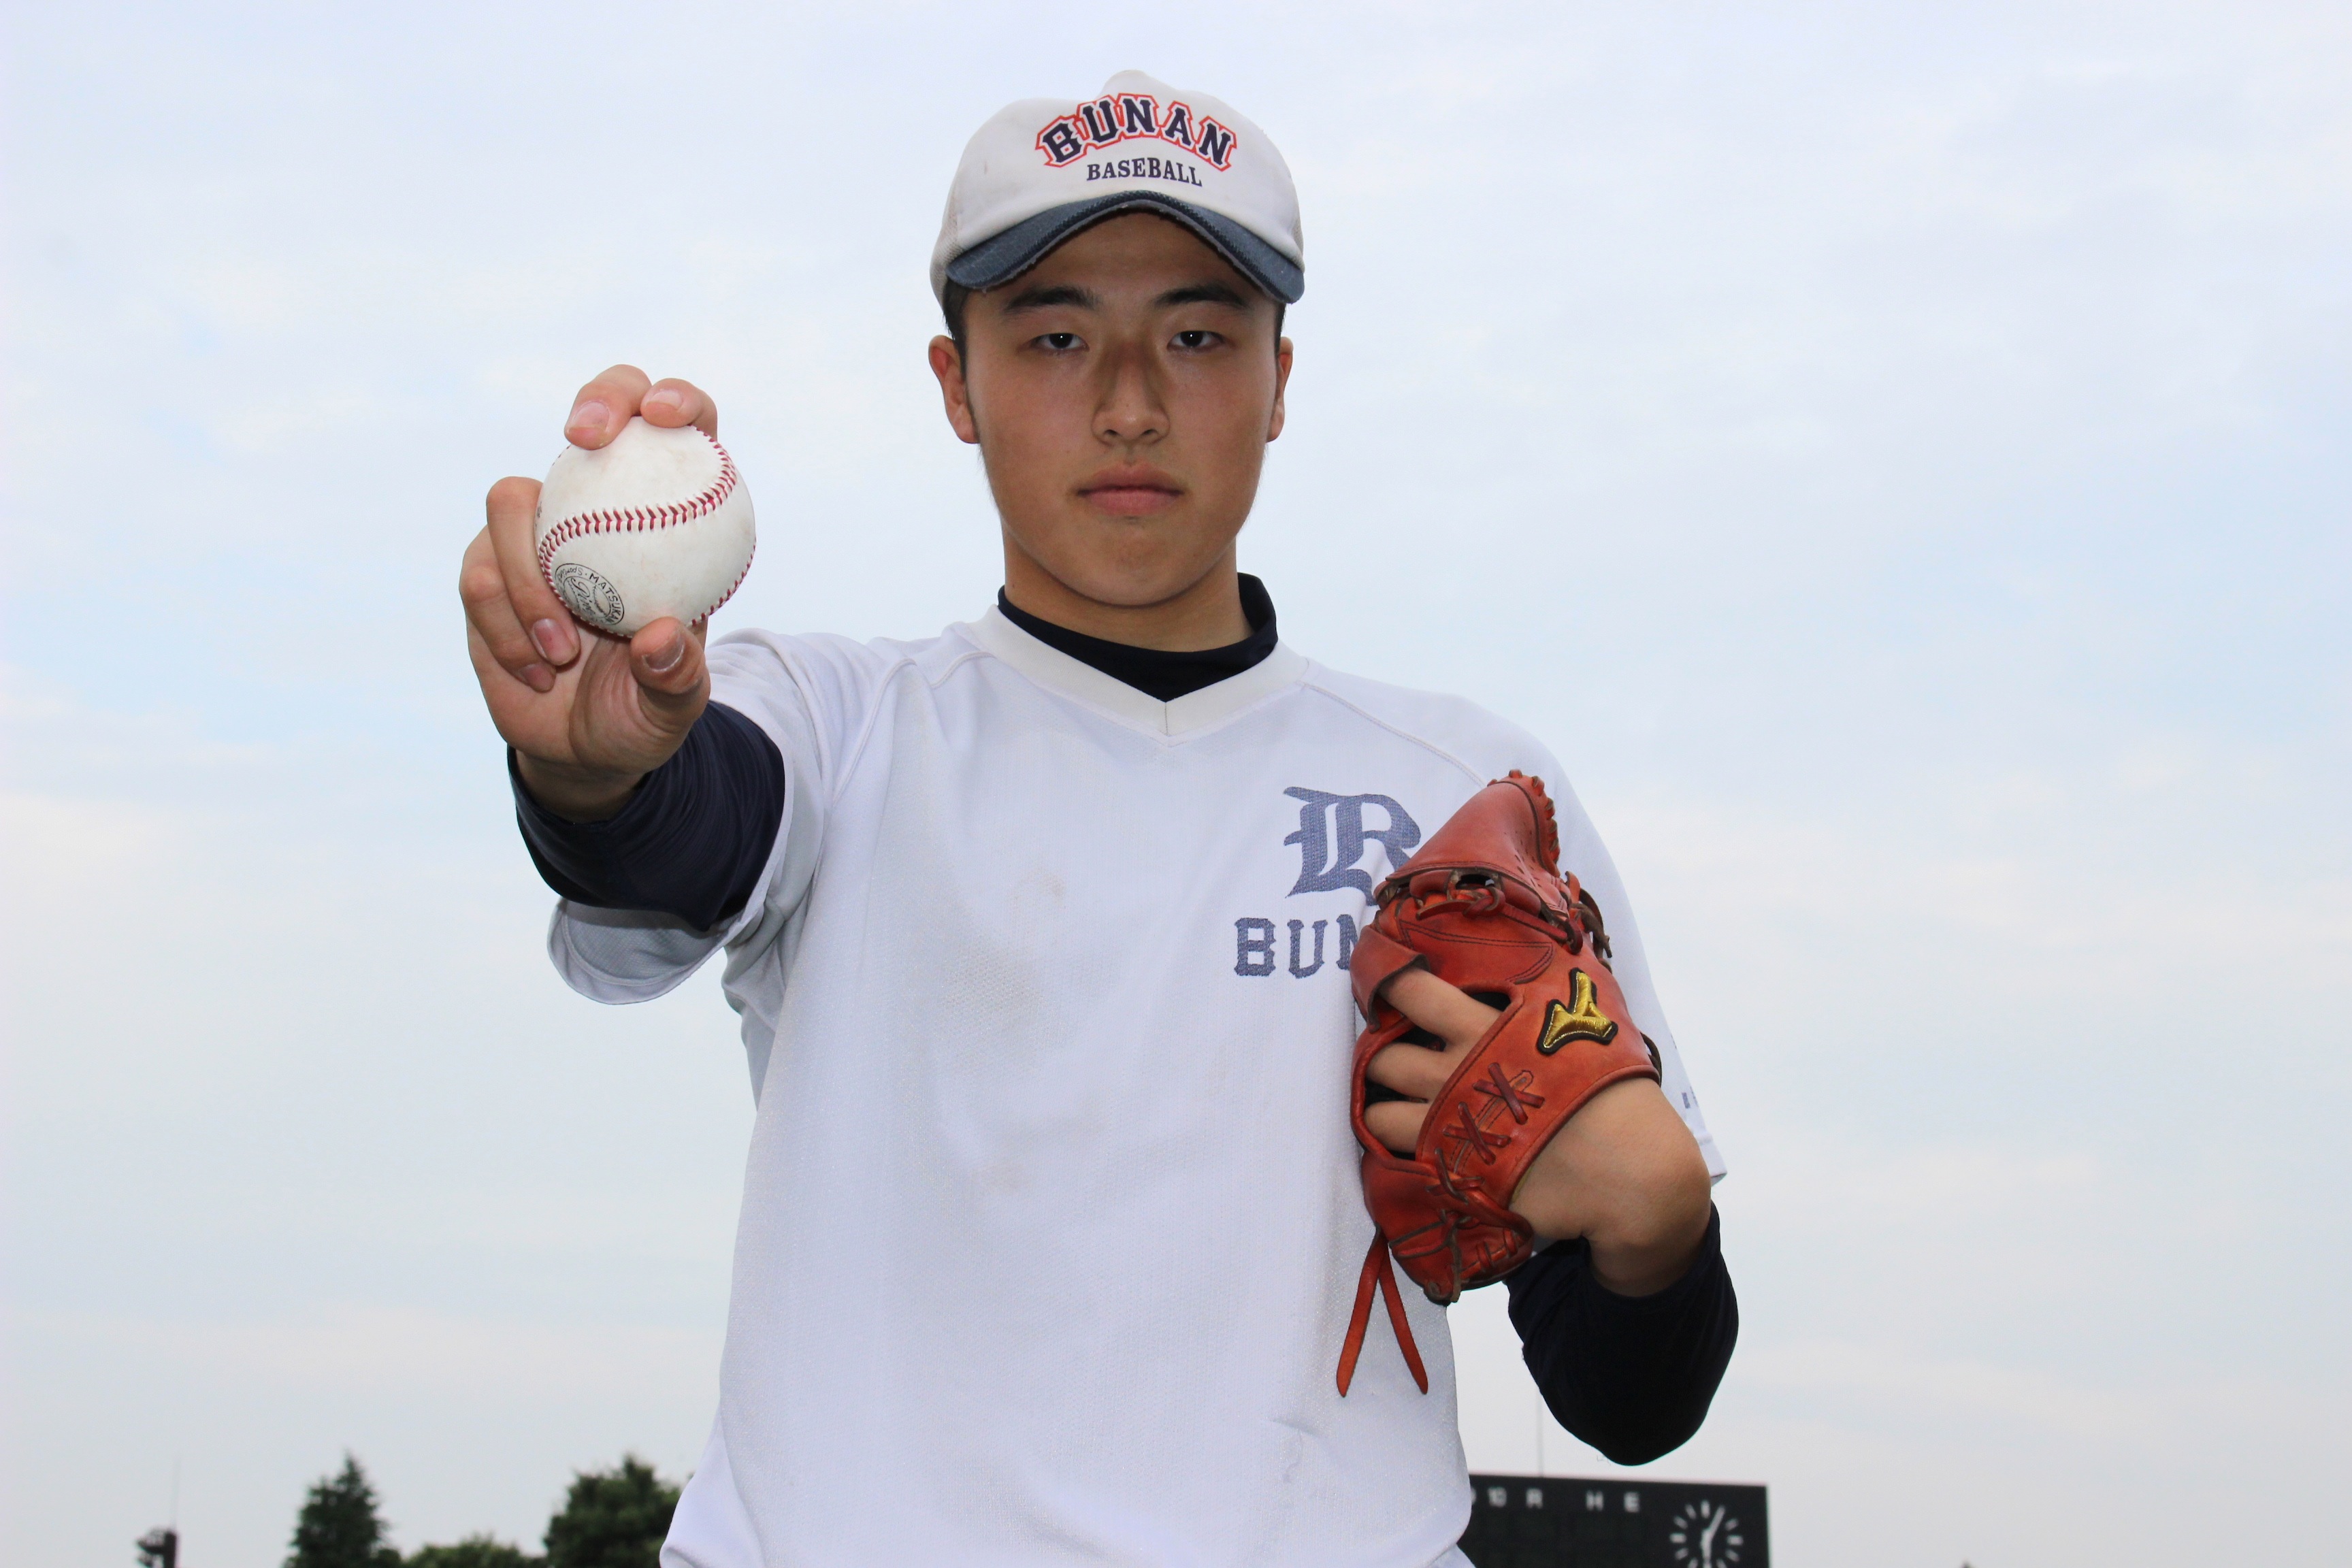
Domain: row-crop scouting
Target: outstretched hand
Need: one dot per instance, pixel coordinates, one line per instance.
(1623, 1173)
(588, 715)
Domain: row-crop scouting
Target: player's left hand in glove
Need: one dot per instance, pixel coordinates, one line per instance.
(1493, 1019)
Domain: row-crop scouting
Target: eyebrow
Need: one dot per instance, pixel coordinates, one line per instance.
(1037, 298)
(1203, 294)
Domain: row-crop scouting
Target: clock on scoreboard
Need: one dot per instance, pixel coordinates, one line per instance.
(1567, 1521)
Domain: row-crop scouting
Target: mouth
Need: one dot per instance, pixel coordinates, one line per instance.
(1132, 490)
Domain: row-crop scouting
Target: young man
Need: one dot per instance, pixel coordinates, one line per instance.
(1039, 929)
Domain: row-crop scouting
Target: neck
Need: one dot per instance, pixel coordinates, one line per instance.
(1205, 614)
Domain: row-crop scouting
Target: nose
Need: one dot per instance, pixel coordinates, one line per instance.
(1131, 412)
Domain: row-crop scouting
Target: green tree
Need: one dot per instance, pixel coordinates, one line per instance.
(474, 1551)
(338, 1527)
(612, 1519)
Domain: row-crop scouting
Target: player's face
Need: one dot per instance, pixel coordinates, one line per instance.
(1122, 392)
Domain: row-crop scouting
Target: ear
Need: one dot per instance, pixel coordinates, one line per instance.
(1281, 381)
(948, 366)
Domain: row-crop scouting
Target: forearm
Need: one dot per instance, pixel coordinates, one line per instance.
(690, 838)
(1642, 1238)
(1631, 1375)
(1625, 1176)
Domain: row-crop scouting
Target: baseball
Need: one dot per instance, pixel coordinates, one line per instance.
(655, 523)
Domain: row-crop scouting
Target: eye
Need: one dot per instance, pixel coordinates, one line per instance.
(1060, 342)
(1198, 339)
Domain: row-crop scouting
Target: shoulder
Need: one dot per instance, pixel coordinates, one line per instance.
(825, 665)
(1453, 729)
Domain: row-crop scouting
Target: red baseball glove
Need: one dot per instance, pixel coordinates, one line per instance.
(1485, 907)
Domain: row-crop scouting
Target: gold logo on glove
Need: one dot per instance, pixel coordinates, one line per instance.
(1578, 1018)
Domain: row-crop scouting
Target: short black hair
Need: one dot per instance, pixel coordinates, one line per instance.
(952, 303)
(955, 297)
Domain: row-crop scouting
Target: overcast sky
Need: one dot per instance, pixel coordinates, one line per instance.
(1895, 455)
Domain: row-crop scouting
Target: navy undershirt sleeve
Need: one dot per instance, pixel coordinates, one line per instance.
(691, 842)
(1632, 1376)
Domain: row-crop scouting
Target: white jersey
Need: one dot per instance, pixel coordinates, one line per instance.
(1052, 1219)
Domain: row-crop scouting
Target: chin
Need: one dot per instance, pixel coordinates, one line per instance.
(1135, 572)
(1127, 590)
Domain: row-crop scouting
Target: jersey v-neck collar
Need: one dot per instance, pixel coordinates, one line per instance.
(1196, 710)
(1164, 673)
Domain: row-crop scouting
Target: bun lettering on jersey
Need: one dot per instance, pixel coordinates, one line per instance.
(1127, 116)
(1331, 838)
(1254, 946)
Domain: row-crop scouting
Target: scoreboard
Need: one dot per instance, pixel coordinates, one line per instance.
(1561, 1521)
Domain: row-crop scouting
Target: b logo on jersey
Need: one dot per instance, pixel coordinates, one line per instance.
(1331, 838)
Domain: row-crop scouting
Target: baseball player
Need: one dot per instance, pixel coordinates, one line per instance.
(1040, 931)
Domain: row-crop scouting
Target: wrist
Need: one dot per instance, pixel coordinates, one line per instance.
(574, 793)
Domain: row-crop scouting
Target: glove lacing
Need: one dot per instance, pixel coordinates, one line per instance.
(1376, 1271)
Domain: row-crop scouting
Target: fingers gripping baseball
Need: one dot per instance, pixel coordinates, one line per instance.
(609, 402)
(494, 625)
(588, 715)
(666, 658)
(632, 702)
(523, 622)
(620, 711)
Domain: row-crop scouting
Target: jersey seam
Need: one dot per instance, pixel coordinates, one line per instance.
(1167, 739)
(1398, 731)
(955, 664)
(856, 752)
(1235, 717)
(755, 912)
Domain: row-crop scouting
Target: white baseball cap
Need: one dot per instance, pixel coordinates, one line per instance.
(1044, 168)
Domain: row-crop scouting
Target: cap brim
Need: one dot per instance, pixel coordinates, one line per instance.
(999, 259)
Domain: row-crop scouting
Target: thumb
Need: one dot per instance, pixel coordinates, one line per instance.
(673, 680)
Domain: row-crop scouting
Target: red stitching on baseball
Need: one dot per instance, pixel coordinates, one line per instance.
(631, 519)
(732, 586)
